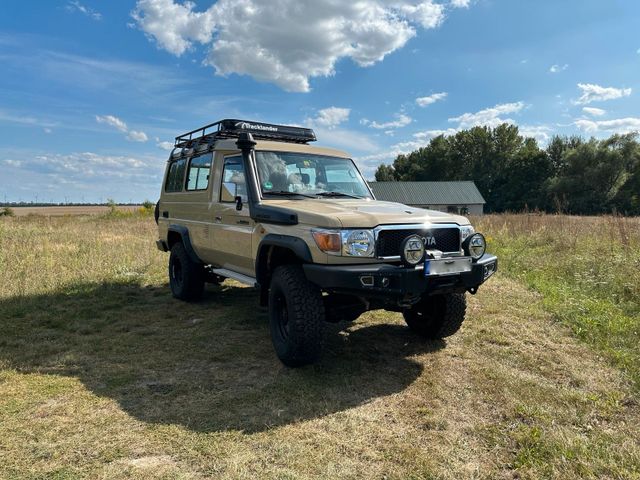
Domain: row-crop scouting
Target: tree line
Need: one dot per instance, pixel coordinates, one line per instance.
(513, 173)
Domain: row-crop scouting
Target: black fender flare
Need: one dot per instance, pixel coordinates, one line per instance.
(186, 241)
(295, 244)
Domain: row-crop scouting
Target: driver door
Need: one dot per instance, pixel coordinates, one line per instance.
(233, 229)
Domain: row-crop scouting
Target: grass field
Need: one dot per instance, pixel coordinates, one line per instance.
(62, 210)
(104, 375)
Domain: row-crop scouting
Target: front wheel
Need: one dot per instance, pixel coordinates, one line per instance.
(296, 316)
(437, 316)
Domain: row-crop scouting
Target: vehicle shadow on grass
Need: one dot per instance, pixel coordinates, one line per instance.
(208, 366)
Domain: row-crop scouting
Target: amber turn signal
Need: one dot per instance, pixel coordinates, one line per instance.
(327, 241)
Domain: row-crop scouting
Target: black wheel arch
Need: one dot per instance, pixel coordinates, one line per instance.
(275, 250)
(180, 233)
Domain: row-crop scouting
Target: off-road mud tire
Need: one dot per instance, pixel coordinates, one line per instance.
(296, 316)
(186, 278)
(437, 316)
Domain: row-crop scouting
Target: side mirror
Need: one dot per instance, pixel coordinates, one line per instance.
(229, 192)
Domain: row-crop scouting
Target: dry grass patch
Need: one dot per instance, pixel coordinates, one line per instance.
(104, 375)
(587, 270)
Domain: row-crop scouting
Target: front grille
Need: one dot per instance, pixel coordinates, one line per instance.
(389, 241)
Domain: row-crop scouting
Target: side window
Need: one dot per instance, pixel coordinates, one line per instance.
(233, 172)
(175, 177)
(199, 170)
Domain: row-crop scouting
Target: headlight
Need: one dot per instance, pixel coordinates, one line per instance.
(412, 250)
(358, 243)
(466, 231)
(348, 243)
(475, 246)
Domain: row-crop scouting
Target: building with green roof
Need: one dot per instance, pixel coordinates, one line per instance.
(453, 197)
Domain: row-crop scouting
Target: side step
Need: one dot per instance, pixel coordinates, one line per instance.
(223, 272)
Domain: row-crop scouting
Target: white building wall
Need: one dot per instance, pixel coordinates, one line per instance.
(472, 209)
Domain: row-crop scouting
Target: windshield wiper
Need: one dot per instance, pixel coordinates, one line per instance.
(336, 194)
(285, 193)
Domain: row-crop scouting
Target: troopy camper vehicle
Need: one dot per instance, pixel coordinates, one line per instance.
(257, 203)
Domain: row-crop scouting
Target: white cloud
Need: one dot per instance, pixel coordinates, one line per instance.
(136, 136)
(24, 118)
(12, 163)
(460, 3)
(173, 25)
(542, 133)
(165, 145)
(594, 112)
(47, 130)
(427, 14)
(348, 140)
(558, 68)
(79, 174)
(401, 120)
(330, 117)
(490, 117)
(88, 164)
(132, 135)
(429, 134)
(75, 6)
(290, 42)
(595, 93)
(620, 125)
(428, 100)
(112, 121)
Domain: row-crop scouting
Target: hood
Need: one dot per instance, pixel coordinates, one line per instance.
(361, 213)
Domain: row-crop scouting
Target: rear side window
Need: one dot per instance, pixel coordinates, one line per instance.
(175, 177)
(199, 169)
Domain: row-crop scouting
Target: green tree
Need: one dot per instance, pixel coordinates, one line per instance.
(514, 173)
(385, 173)
(595, 174)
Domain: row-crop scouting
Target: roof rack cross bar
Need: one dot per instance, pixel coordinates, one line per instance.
(231, 128)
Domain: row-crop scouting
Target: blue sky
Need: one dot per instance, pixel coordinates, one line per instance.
(92, 91)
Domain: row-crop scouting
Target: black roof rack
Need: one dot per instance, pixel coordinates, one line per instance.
(230, 128)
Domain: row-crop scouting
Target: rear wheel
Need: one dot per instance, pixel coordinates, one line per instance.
(437, 316)
(296, 316)
(186, 278)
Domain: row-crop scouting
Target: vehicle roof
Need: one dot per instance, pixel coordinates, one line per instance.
(230, 144)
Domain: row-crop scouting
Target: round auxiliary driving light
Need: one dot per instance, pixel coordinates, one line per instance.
(412, 250)
(475, 246)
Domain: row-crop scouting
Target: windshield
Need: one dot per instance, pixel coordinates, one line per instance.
(308, 174)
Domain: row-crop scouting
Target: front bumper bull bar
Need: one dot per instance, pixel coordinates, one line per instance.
(387, 280)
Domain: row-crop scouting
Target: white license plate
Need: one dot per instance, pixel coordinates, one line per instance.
(447, 266)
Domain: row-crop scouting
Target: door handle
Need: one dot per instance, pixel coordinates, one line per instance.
(218, 219)
(165, 214)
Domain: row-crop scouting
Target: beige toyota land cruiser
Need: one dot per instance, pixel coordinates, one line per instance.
(256, 203)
